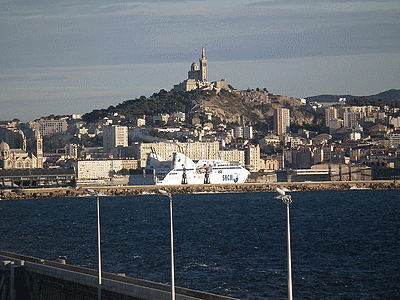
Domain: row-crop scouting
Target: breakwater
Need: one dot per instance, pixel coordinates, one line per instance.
(9, 194)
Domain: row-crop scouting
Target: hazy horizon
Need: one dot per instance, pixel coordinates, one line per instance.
(66, 57)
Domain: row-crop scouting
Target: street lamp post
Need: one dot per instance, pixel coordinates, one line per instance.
(287, 199)
(169, 195)
(96, 193)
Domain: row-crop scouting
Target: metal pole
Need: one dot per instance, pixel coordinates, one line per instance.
(287, 199)
(172, 250)
(98, 245)
(290, 294)
(165, 193)
(12, 281)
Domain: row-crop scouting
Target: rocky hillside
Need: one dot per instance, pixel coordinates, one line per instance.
(251, 107)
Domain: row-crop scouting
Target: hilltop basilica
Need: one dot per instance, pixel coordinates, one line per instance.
(197, 78)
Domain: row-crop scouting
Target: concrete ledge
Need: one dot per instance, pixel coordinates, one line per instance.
(113, 283)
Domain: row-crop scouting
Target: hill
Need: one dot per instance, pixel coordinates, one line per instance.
(387, 95)
(229, 107)
(391, 94)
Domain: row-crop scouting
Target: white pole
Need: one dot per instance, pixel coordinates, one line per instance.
(98, 246)
(172, 250)
(290, 294)
(165, 193)
(287, 199)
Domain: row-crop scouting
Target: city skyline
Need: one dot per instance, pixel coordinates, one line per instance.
(65, 57)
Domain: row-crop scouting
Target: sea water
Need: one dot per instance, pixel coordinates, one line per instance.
(345, 244)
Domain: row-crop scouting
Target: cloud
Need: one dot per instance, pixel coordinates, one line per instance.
(19, 78)
(60, 47)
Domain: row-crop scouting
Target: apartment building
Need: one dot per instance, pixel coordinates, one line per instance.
(252, 158)
(98, 169)
(115, 138)
(281, 120)
(49, 127)
(331, 113)
(193, 150)
(233, 155)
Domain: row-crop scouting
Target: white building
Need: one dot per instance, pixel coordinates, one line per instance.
(233, 155)
(139, 122)
(331, 113)
(115, 137)
(353, 114)
(396, 122)
(394, 139)
(194, 150)
(355, 136)
(252, 158)
(101, 169)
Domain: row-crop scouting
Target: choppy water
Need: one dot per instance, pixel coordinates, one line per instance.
(345, 244)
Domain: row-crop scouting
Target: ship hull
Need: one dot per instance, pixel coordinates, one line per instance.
(228, 175)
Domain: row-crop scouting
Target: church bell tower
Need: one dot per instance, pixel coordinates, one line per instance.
(203, 66)
(39, 149)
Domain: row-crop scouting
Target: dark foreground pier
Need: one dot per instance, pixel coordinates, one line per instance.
(29, 278)
(33, 193)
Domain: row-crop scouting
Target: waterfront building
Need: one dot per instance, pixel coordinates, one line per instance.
(233, 155)
(101, 169)
(193, 150)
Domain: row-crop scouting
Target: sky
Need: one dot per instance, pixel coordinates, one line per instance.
(72, 56)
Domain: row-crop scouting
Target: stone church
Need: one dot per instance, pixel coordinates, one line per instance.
(198, 78)
(20, 158)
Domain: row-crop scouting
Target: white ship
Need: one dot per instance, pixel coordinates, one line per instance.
(183, 170)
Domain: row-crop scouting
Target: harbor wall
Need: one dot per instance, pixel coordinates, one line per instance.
(8, 194)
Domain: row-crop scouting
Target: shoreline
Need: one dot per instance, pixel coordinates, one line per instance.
(39, 193)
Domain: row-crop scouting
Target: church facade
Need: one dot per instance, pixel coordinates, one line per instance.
(20, 158)
(198, 78)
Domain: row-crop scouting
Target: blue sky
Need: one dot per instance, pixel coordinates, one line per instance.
(73, 56)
